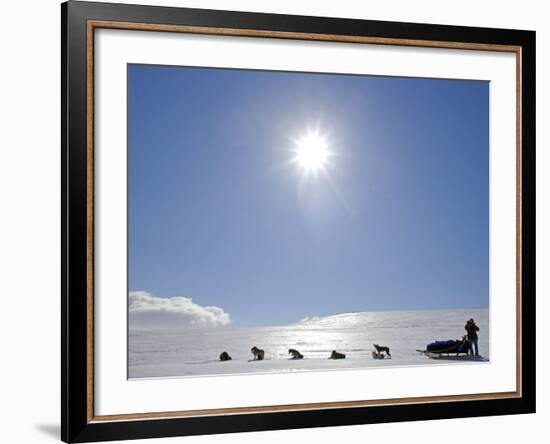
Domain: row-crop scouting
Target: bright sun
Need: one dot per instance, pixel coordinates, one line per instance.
(312, 152)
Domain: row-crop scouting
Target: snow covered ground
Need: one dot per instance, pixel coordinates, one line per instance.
(188, 351)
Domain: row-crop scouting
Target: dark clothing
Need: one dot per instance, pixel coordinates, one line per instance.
(472, 329)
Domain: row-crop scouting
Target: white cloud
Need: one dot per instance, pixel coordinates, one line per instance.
(148, 310)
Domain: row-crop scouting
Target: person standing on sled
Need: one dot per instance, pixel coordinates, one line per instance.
(472, 329)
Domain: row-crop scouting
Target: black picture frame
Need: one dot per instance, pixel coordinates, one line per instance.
(76, 423)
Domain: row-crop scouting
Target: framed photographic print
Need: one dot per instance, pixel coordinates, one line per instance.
(275, 221)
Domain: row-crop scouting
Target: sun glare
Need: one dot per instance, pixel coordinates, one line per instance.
(312, 152)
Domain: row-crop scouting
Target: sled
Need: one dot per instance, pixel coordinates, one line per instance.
(446, 354)
(447, 349)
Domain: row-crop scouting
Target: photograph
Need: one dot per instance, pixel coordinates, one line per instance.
(282, 221)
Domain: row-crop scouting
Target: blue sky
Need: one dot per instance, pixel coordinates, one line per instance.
(219, 213)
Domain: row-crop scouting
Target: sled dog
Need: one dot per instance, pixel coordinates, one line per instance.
(381, 348)
(258, 353)
(295, 354)
(225, 357)
(337, 355)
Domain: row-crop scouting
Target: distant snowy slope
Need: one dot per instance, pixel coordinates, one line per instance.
(191, 351)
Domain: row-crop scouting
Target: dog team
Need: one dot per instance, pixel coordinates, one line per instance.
(380, 352)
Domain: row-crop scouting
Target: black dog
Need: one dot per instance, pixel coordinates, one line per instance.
(337, 355)
(295, 354)
(381, 348)
(225, 357)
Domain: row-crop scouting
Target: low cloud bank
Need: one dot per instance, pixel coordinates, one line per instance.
(147, 310)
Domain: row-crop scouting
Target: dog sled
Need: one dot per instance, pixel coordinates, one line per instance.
(457, 349)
